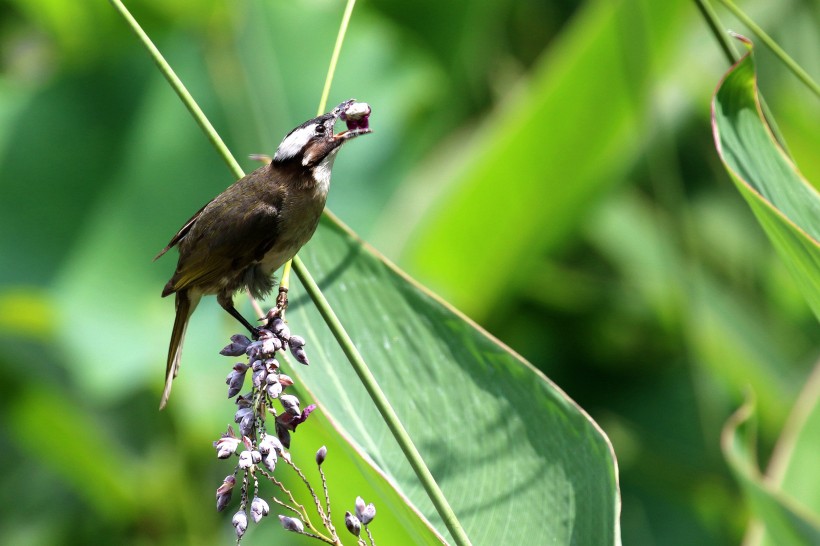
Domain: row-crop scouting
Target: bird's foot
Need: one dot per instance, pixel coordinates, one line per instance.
(279, 310)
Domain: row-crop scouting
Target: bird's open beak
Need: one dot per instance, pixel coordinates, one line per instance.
(357, 117)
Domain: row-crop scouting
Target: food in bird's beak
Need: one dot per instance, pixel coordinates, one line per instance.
(357, 117)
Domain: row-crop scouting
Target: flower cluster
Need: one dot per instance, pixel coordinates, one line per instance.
(262, 450)
(364, 515)
(258, 451)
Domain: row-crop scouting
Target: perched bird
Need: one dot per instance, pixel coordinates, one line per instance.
(261, 221)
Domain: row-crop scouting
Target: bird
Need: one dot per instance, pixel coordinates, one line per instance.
(257, 224)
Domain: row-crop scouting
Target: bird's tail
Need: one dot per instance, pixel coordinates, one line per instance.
(185, 303)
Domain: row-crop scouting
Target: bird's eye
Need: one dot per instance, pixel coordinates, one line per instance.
(320, 129)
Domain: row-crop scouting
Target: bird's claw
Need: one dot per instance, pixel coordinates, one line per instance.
(279, 310)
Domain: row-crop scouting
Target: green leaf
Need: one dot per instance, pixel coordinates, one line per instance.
(785, 204)
(784, 520)
(524, 178)
(517, 459)
(794, 461)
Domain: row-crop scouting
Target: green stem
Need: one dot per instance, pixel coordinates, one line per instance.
(801, 74)
(382, 404)
(334, 58)
(331, 71)
(180, 90)
(718, 31)
(732, 56)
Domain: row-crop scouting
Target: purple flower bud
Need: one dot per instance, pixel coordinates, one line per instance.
(285, 380)
(241, 413)
(270, 444)
(222, 501)
(240, 523)
(292, 524)
(238, 345)
(246, 424)
(274, 390)
(257, 365)
(287, 421)
(227, 485)
(290, 404)
(236, 379)
(300, 355)
(271, 345)
(259, 378)
(353, 524)
(295, 342)
(307, 411)
(272, 365)
(226, 446)
(259, 509)
(223, 493)
(270, 460)
(253, 350)
(368, 514)
(282, 433)
(245, 460)
(360, 506)
(320, 455)
(279, 328)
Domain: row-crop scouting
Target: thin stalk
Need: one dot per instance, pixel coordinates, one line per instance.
(180, 90)
(732, 56)
(334, 58)
(784, 57)
(726, 44)
(331, 72)
(383, 405)
(335, 326)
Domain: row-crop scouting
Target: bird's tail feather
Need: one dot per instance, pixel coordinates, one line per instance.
(185, 304)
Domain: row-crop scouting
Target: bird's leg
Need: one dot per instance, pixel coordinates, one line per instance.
(281, 305)
(226, 301)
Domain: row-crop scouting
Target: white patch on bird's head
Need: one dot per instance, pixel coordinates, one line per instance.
(321, 172)
(295, 142)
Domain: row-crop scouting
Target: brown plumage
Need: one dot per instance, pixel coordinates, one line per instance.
(252, 228)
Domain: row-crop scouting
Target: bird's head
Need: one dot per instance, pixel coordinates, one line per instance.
(314, 143)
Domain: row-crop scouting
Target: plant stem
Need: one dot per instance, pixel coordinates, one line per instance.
(718, 31)
(180, 90)
(331, 71)
(784, 57)
(732, 57)
(383, 405)
(334, 58)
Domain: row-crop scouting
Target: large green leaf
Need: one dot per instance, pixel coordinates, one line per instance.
(786, 205)
(523, 179)
(517, 459)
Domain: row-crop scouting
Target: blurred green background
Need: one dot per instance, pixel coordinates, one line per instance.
(548, 167)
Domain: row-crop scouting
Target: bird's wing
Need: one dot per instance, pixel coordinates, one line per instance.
(211, 253)
(180, 234)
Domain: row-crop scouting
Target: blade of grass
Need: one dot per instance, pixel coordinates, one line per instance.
(379, 399)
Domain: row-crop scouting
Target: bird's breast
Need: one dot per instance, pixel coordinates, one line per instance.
(296, 224)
